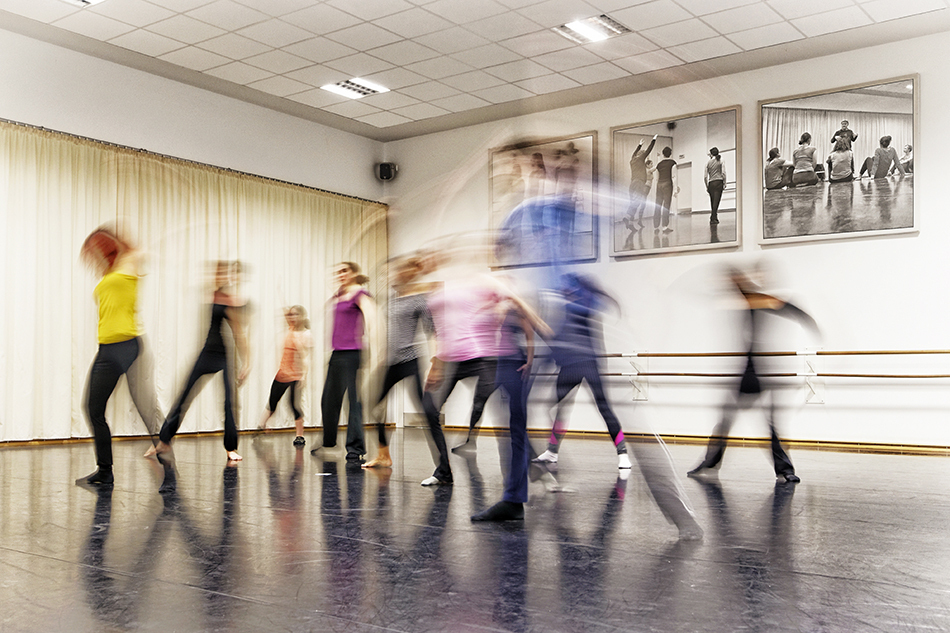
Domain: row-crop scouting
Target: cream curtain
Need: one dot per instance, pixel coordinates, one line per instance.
(55, 189)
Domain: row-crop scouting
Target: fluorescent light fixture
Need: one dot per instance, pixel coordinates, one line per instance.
(82, 3)
(355, 88)
(593, 29)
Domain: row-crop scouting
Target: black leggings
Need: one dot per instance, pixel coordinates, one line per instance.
(341, 379)
(277, 391)
(208, 363)
(569, 377)
(714, 188)
(113, 360)
(395, 374)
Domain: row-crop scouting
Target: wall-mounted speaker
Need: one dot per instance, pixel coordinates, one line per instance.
(386, 171)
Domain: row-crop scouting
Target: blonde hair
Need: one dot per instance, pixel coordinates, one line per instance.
(303, 323)
(360, 278)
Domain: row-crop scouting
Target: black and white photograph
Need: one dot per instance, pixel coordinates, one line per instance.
(542, 203)
(840, 163)
(674, 184)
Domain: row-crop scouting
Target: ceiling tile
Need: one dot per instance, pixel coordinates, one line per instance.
(680, 33)
(714, 47)
(147, 43)
(185, 29)
(278, 62)
(135, 12)
(239, 73)
(421, 111)
(429, 91)
(881, 11)
(452, 40)
(702, 7)
(370, 9)
(475, 80)
(364, 36)
(276, 33)
(390, 100)
(318, 75)
(461, 103)
(557, 12)
(766, 36)
(383, 119)
(537, 43)
(181, 6)
(93, 25)
(413, 23)
(485, 56)
(317, 98)
(277, 8)
(548, 83)
(743, 18)
(521, 69)
(623, 46)
(651, 14)
(359, 65)
(648, 62)
(503, 93)
(228, 15)
(464, 11)
(352, 108)
(568, 58)
(403, 53)
(790, 9)
(234, 46)
(604, 71)
(194, 58)
(517, 4)
(504, 26)
(45, 11)
(279, 86)
(395, 78)
(839, 20)
(319, 49)
(321, 19)
(439, 67)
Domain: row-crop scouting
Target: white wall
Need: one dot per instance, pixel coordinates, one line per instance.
(59, 89)
(866, 293)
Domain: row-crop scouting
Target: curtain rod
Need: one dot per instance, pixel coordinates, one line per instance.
(186, 160)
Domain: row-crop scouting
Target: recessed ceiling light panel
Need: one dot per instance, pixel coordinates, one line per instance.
(82, 3)
(593, 29)
(355, 88)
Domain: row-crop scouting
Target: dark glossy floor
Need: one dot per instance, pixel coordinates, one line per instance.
(823, 209)
(688, 229)
(289, 542)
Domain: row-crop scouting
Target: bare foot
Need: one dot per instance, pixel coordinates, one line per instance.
(158, 449)
(234, 457)
(379, 462)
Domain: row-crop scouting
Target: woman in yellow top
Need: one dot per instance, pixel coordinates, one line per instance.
(114, 257)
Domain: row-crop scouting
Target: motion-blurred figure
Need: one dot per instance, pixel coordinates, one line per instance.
(295, 353)
(756, 305)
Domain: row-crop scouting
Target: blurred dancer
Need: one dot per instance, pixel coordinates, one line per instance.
(293, 369)
(227, 308)
(114, 257)
(756, 305)
(353, 318)
(408, 309)
(576, 349)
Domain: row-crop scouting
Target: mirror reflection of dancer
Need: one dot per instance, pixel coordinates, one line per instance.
(354, 318)
(715, 179)
(756, 305)
(408, 309)
(666, 188)
(576, 347)
(227, 308)
(121, 347)
(639, 189)
(293, 369)
(805, 163)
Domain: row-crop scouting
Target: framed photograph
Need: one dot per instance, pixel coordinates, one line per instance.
(839, 164)
(674, 184)
(542, 202)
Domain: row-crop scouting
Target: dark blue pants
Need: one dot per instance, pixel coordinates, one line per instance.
(513, 383)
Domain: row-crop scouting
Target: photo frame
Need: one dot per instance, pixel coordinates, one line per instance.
(542, 201)
(661, 203)
(839, 164)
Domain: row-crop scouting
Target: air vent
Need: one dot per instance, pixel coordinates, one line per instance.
(594, 29)
(355, 88)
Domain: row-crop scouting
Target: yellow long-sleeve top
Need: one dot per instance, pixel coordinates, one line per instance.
(117, 294)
